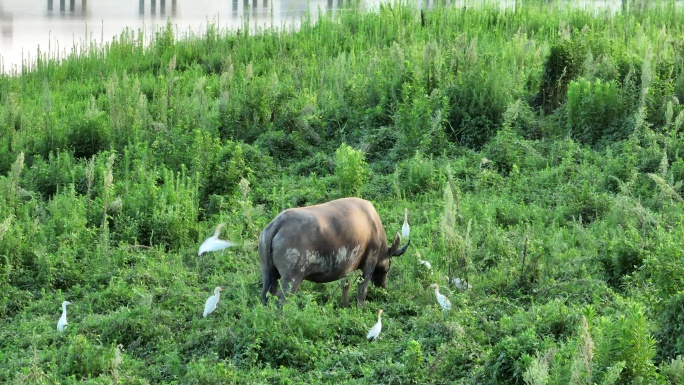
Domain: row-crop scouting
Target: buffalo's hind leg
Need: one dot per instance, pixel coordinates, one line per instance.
(290, 286)
(270, 285)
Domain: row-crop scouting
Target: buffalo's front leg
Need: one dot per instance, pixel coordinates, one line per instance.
(363, 288)
(345, 291)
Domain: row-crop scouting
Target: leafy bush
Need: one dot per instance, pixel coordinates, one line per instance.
(596, 112)
(562, 66)
(507, 150)
(622, 256)
(418, 175)
(88, 136)
(625, 337)
(351, 170)
(477, 105)
(283, 146)
(84, 359)
(674, 370)
(421, 122)
(59, 170)
(234, 162)
(510, 357)
(670, 334)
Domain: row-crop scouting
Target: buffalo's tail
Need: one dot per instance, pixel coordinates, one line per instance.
(269, 273)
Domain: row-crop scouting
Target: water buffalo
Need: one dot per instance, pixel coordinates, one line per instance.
(324, 243)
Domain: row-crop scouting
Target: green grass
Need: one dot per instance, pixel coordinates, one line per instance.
(538, 152)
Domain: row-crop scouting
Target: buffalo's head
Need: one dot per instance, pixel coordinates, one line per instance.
(379, 277)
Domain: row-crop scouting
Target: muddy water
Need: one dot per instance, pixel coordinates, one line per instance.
(59, 27)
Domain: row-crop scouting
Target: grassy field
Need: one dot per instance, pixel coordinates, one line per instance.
(539, 153)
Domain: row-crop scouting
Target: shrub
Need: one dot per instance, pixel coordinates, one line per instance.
(85, 359)
(596, 112)
(235, 161)
(625, 337)
(477, 105)
(351, 170)
(670, 335)
(87, 136)
(507, 149)
(623, 255)
(418, 175)
(674, 371)
(420, 122)
(46, 177)
(562, 66)
(284, 146)
(510, 357)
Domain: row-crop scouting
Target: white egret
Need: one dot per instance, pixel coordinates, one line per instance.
(441, 299)
(213, 243)
(458, 282)
(461, 284)
(375, 330)
(62, 323)
(210, 306)
(405, 229)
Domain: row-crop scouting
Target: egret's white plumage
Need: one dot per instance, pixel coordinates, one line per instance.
(213, 243)
(458, 282)
(375, 330)
(405, 229)
(210, 306)
(461, 284)
(425, 263)
(441, 299)
(62, 323)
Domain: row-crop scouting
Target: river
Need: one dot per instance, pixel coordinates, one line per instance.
(59, 27)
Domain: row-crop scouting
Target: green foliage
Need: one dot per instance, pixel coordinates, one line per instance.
(421, 123)
(596, 112)
(116, 164)
(670, 333)
(84, 360)
(625, 337)
(283, 146)
(351, 170)
(623, 255)
(234, 162)
(509, 358)
(506, 150)
(561, 67)
(674, 370)
(418, 175)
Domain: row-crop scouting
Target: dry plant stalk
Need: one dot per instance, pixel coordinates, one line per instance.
(90, 178)
(169, 87)
(108, 182)
(665, 187)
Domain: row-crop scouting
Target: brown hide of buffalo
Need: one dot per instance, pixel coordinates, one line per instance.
(324, 243)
